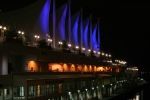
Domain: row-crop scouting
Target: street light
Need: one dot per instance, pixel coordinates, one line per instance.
(69, 45)
(4, 28)
(109, 55)
(22, 33)
(49, 40)
(60, 43)
(89, 50)
(103, 53)
(94, 51)
(106, 55)
(98, 53)
(83, 49)
(1, 26)
(77, 47)
(2, 33)
(36, 37)
(19, 32)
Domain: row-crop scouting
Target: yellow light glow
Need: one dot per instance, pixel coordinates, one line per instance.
(101, 69)
(1, 27)
(85, 69)
(32, 66)
(65, 68)
(72, 68)
(55, 67)
(90, 68)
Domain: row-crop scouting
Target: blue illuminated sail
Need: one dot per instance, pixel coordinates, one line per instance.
(93, 39)
(85, 34)
(75, 31)
(81, 30)
(62, 23)
(44, 18)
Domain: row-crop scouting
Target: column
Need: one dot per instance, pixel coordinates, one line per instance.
(4, 65)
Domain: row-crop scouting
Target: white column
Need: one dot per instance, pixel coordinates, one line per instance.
(4, 62)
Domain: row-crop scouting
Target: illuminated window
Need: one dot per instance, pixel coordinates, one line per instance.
(32, 66)
(21, 91)
(95, 69)
(72, 68)
(60, 88)
(85, 69)
(38, 90)
(65, 67)
(100, 69)
(6, 92)
(55, 67)
(79, 68)
(90, 68)
(31, 90)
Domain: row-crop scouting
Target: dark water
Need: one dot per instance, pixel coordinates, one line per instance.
(144, 93)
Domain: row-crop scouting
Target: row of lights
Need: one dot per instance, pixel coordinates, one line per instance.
(36, 36)
(120, 62)
(3, 27)
(133, 69)
(89, 50)
(69, 45)
(21, 32)
(61, 43)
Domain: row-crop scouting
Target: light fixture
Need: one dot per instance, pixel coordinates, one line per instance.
(83, 49)
(60, 43)
(69, 45)
(109, 55)
(38, 37)
(19, 32)
(69, 93)
(77, 47)
(89, 50)
(4, 28)
(22, 33)
(98, 53)
(78, 91)
(94, 51)
(106, 55)
(49, 40)
(103, 53)
(1, 26)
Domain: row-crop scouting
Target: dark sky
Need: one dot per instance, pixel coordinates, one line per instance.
(125, 26)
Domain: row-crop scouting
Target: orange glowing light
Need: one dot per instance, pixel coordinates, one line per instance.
(90, 68)
(85, 69)
(55, 67)
(72, 68)
(32, 66)
(101, 69)
(65, 68)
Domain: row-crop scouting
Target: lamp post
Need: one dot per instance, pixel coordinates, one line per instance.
(49, 40)
(36, 38)
(21, 35)
(2, 30)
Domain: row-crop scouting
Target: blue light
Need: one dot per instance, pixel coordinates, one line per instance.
(93, 38)
(62, 24)
(44, 17)
(85, 34)
(98, 39)
(81, 30)
(75, 31)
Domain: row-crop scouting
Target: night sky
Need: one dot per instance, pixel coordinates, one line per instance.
(125, 26)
